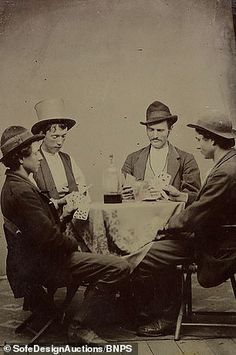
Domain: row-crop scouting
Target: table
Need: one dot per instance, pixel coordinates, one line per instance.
(126, 229)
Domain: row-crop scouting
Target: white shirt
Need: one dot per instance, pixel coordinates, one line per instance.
(158, 159)
(57, 169)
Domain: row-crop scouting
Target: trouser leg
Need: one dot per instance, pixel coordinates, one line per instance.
(159, 264)
(168, 292)
(103, 273)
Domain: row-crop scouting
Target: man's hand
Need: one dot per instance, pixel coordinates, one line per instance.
(67, 210)
(175, 194)
(58, 202)
(154, 192)
(127, 193)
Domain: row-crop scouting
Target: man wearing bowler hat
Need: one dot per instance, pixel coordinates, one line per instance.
(48, 252)
(58, 174)
(161, 157)
(211, 217)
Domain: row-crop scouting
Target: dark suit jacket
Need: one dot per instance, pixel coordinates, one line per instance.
(46, 249)
(182, 167)
(210, 217)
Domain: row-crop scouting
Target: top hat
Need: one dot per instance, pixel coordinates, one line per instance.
(16, 137)
(221, 126)
(51, 111)
(158, 112)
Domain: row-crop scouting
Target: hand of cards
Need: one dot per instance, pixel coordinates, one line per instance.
(159, 182)
(78, 201)
(146, 190)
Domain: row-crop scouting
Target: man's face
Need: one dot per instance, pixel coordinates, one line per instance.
(32, 162)
(158, 134)
(54, 139)
(206, 146)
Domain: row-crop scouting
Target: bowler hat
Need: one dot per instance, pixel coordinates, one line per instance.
(16, 137)
(158, 112)
(219, 125)
(51, 111)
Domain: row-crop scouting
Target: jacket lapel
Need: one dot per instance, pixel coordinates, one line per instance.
(173, 163)
(140, 164)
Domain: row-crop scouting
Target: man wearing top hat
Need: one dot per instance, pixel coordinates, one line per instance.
(47, 252)
(211, 219)
(58, 173)
(160, 157)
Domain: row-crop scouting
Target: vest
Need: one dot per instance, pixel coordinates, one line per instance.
(44, 178)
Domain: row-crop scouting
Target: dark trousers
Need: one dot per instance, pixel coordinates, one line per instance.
(103, 273)
(157, 270)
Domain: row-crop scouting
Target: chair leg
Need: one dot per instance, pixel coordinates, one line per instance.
(42, 331)
(25, 324)
(233, 283)
(181, 311)
(189, 294)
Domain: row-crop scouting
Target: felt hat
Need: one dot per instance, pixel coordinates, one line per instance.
(15, 138)
(219, 125)
(158, 112)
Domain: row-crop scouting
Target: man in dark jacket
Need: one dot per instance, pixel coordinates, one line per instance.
(161, 157)
(211, 217)
(48, 252)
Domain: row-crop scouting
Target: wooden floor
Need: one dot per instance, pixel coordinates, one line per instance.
(194, 341)
(188, 347)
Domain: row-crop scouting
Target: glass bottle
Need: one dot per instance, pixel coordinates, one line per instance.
(111, 183)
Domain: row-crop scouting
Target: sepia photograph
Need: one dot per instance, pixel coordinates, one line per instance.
(118, 177)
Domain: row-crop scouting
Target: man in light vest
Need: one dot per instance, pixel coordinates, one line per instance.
(58, 173)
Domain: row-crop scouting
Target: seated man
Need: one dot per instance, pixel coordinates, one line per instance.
(209, 217)
(58, 173)
(49, 252)
(160, 157)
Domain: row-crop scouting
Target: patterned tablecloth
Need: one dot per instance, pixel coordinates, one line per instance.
(126, 228)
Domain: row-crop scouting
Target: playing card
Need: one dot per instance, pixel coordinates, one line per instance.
(83, 207)
(81, 214)
(164, 178)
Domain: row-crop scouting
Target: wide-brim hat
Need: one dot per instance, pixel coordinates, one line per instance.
(51, 111)
(220, 126)
(158, 112)
(15, 138)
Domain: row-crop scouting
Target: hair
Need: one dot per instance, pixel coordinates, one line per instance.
(12, 160)
(223, 143)
(53, 127)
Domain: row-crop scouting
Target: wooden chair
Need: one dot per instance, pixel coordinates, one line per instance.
(186, 313)
(14, 243)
